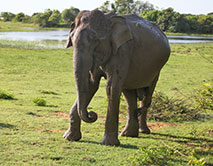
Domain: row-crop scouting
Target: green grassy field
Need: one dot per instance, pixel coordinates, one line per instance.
(16, 26)
(32, 135)
(19, 27)
(188, 34)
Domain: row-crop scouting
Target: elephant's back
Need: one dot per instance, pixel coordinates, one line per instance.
(143, 28)
(148, 39)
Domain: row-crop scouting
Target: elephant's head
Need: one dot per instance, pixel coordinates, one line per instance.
(95, 37)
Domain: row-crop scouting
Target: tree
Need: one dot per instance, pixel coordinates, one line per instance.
(126, 7)
(42, 18)
(192, 22)
(54, 18)
(68, 15)
(205, 23)
(139, 6)
(7, 16)
(19, 17)
(180, 24)
(105, 7)
(166, 19)
(151, 15)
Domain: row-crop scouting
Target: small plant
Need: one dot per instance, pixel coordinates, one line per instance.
(151, 155)
(204, 97)
(49, 92)
(39, 101)
(195, 160)
(5, 95)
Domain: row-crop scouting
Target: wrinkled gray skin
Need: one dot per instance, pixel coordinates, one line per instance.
(129, 52)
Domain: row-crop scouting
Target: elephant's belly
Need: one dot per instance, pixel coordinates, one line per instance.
(139, 80)
(145, 65)
(142, 72)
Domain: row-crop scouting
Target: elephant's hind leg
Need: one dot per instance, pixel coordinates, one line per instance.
(144, 105)
(132, 128)
(74, 133)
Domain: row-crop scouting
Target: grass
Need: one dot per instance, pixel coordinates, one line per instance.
(188, 34)
(20, 27)
(17, 26)
(32, 135)
(46, 44)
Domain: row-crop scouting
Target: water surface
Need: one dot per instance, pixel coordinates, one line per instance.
(61, 35)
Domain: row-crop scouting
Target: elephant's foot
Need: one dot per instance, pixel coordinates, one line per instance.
(130, 130)
(110, 140)
(72, 136)
(144, 130)
(129, 133)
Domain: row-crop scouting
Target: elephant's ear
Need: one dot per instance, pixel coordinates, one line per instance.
(120, 32)
(69, 41)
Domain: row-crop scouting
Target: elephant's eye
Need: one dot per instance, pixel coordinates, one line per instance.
(85, 19)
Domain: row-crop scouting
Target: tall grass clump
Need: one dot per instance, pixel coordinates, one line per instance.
(6, 95)
(39, 101)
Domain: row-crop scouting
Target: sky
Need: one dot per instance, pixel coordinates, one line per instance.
(32, 6)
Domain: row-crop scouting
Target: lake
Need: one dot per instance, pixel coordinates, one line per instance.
(61, 35)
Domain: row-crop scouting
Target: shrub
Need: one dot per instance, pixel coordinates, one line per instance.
(39, 101)
(166, 109)
(151, 155)
(163, 155)
(204, 97)
(5, 95)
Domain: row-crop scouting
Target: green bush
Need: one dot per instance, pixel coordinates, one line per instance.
(5, 95)
(163, 155)
(204, 97)
(39, 101)
(167, 109)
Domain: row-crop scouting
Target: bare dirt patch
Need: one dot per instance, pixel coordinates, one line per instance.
(159, 125)
(62, 115)
(58, 130)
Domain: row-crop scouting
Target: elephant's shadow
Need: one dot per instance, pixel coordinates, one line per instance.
(125, 146)
(178, 139)
(159, 136)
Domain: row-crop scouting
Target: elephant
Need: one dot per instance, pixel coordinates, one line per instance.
(129, 52)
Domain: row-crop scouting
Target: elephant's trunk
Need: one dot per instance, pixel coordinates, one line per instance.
(82, 66)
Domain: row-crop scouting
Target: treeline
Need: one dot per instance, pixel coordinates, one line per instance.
(168, 20)
(49, 18)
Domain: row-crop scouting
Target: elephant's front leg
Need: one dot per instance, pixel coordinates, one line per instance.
(111, 125)
(74, 133)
